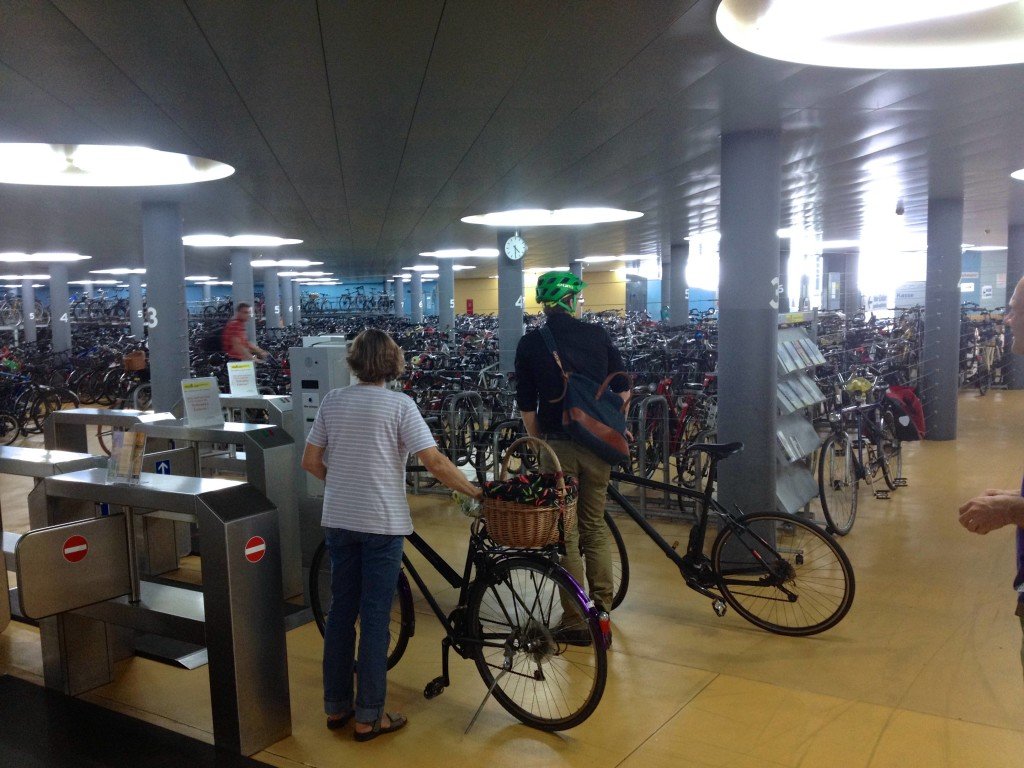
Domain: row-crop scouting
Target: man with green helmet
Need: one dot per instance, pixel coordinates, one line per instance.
(584, 348)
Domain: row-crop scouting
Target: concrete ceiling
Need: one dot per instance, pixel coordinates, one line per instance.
(369, 128)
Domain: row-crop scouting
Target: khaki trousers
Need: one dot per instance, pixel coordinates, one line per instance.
(593, 570)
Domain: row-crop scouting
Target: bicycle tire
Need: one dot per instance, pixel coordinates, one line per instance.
(888, 449)
(141, 396)
(755, 579)
(10, 430)
(43, 404)
(838, 485)
(512, 616)
(403, 618)
(620, 566)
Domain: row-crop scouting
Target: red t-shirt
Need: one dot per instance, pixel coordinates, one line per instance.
(234, 336)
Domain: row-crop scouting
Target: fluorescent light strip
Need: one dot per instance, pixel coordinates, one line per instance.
(119, 271)
(462, 253)
(258, 263)
(236, 241)
(539, 217)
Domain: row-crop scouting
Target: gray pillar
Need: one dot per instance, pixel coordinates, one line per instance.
(60, 326)
(241, 286)
(28, 310)
(1014, 364)
(285, 286)
(510, 305)
(784, 296)
(576, 267)
(271, 299)
(399, 290)
(748, 312)
(445, 295)
(87, 289)
(167, 315)
(416, 305)
(296, 289)
(207, 293)
(850, 289)
(135, 305)
(679, 297)
(940, 354)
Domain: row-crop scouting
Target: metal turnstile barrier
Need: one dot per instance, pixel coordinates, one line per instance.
(277, 407)
(97, 596)
(68, 430)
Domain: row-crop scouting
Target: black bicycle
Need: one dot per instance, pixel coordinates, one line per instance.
(778, 571)
(509, 619)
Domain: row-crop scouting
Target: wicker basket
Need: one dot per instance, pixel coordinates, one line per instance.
(134, 361)
(512, 524)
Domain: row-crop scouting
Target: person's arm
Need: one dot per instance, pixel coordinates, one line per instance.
(530, 422)
(261, 353)
(992, 510)
(313, 461)
(441, 467)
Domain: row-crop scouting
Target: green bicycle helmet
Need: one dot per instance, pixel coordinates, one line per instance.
(559, 289)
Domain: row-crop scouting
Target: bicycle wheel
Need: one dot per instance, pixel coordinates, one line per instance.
(838, 484)
(888, 450)
(782, 573)
(141, 397)
(403, 620)
(513, 615)
(10, 430)
(620, 563)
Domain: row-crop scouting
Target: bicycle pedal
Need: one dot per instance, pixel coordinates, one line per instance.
(884, 495)
(901, 482)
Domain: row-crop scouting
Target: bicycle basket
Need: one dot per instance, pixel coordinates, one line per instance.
(134, 361)
(515, 524)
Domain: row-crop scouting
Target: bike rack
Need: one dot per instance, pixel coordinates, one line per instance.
(642, 445)
(477, 405)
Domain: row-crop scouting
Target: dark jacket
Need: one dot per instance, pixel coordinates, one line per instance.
(585, 348)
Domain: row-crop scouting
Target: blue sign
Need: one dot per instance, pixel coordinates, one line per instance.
(163, 467)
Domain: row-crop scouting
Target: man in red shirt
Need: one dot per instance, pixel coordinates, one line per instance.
(234, 340)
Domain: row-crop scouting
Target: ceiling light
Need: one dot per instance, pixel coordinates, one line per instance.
(461, 267)
(598, 259)
(119, 271)
(828, 245)
(878, 34)
(237, 241)
(423, 268)
(463, 253)
(405, 277)
(304, 274)
(564, 268)
(19, 285)
(19, 258)
(986, 248)
(537, 217)
(200, 278)
(92, 282)
(285, 263)
(217, 282)
(24, 277)
(95, 165)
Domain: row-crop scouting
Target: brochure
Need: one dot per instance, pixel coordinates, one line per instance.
(126, 452)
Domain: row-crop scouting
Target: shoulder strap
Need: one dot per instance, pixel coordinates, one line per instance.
(549, 340)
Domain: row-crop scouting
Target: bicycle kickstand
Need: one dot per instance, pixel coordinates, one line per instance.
(505, 667)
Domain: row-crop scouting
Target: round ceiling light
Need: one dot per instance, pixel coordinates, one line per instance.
(537, 217)
(53, 258)
(461, 267)
(200, 278)
(423, 268)
(462, 253)
(285, 263)
(236, 241)
(304, 274)
(97, 165)
(878, 34)
(119, 271)
(93, 282)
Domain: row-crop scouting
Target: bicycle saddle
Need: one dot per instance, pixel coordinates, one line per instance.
(717, 451)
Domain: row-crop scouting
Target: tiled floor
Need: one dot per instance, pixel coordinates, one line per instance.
(925, 670)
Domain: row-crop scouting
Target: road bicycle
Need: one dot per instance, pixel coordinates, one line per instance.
(508, 620)
(845, 459)
(778, 571)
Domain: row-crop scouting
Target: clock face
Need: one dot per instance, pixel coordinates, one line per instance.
(515, 248)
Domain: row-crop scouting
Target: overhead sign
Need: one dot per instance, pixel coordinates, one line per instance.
(255, 549)
(75, 549)
(910, 294)
(242, 378)
(986, 291)
(202, 402)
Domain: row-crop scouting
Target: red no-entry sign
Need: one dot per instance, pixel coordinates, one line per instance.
(75, 549)
(255, 549)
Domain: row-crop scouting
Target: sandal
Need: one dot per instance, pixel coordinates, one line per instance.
(334, 723)
(397, 722)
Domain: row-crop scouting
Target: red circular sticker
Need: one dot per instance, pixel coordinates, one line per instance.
(255, 549)
(75, 549)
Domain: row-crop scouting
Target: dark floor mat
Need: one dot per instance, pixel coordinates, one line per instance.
(43, 729)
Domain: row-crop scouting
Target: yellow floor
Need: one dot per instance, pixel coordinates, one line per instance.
(925, 670)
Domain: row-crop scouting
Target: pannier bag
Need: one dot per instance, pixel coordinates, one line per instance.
(908, 411)
(592, 415)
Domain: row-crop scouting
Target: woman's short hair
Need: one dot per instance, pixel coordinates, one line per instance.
(374, 357)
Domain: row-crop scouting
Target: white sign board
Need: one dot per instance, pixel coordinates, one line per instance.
(242, 378)
(966, 287)
(986, 291)
(202, 402)
(910, 295)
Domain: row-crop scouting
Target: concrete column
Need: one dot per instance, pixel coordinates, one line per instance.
(28, 311)
(207, 293)
(510, 305)
(940, 354)
(135, 315)
(241, 286)
(60, 325)
(271, 299)
(296, 289)
(167, 314)
(784, 296)
(850, 289)
(87, 289)
(399, 294)
(679, 297)
(416, 307)
(576, 267)
(1013, 364)
(445, 295)
(285, 287)
(748, 312)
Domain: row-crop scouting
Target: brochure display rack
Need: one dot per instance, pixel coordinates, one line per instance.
(797, 395)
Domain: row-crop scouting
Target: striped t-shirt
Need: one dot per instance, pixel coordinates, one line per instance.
(369, 432)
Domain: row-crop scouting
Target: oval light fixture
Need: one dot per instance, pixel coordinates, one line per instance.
(462, 253)
(236, 241)
(52, 258)
(878, 34)
(538, 217)
(101, 165)
(26, 277)
(120, 271)
(200, 278)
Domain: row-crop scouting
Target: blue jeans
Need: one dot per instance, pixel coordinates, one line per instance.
(364, 576)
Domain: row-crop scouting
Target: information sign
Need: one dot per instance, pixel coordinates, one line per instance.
(202, 402)
(242, 378)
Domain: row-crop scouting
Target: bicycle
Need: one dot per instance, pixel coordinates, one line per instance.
(778, 571)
